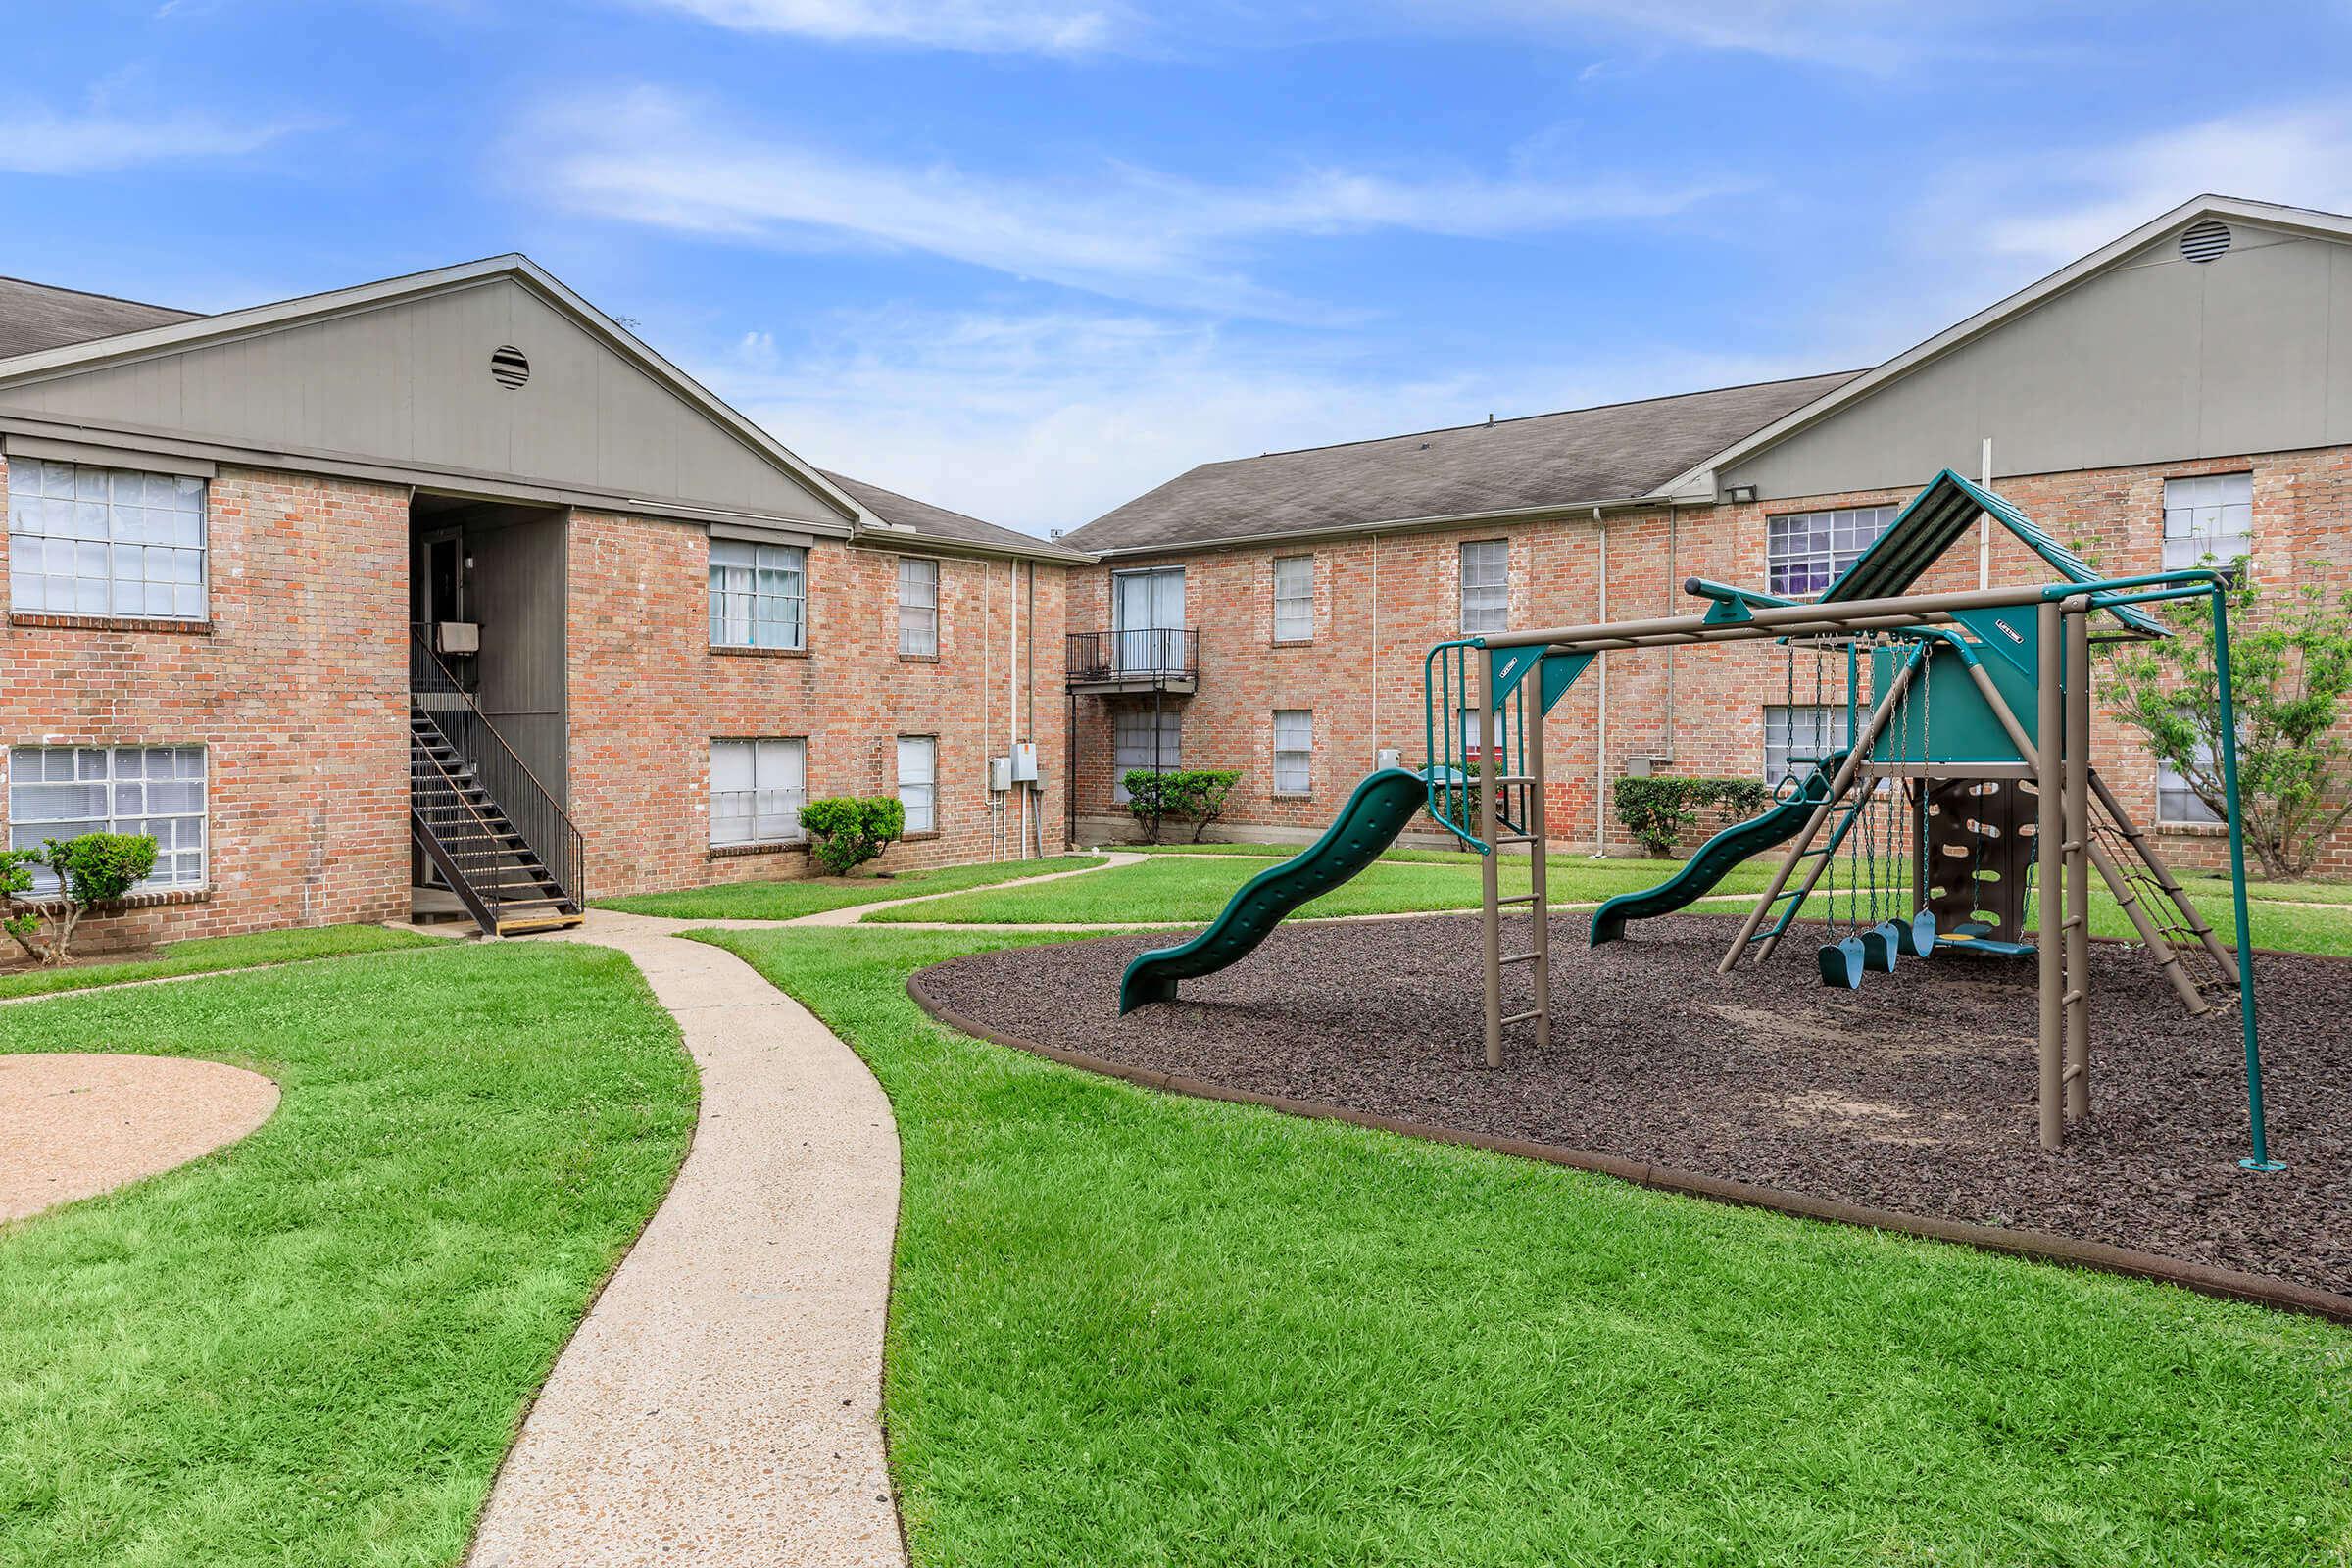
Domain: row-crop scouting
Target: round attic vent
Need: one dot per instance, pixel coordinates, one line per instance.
(2205, 240)
(507, 367)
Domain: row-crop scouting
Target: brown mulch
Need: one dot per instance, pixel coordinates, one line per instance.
(1915, 1094)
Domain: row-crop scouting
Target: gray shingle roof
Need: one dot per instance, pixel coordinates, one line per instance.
(35, 316)
(1577, 457)
(938, 522)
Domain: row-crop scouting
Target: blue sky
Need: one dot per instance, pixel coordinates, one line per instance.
(1030, 259)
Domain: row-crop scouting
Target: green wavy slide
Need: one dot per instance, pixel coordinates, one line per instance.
(1379, 809)
(1715, 859)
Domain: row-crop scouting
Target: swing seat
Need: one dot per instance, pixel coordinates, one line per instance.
(1879, 944)
(1841, 963)
(1917, 934)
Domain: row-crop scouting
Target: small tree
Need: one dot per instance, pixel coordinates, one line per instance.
(2291, 671)
(92, 870)
(1195, 795)
(847, 830)
(1660, 809)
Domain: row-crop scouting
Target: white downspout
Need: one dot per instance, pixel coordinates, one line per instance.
(1012, 696)
(1600, 760)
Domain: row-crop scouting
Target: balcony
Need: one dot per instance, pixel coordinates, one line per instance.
(1159, 659)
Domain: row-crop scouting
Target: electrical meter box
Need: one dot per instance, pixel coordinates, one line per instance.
(999, 775)
(1025, 762)
(1388, 757)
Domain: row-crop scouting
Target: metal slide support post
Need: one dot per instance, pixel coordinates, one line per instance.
(2050, 829)
(2261, 1159)
(1539, 902)
(2077, 867)
(1489, 869)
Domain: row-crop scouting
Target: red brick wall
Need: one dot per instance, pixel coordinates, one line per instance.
(1699, 707)
(648, 693)
(297, 688)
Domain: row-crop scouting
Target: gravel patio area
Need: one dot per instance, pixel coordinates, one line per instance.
(1915, 1094)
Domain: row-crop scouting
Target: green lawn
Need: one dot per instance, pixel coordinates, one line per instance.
(1132, 1328)
(1283, 851)
(204, 955)
(785, 900)
(313, 1346)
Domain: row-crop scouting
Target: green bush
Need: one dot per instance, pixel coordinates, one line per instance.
(93, 869)
(1195, 795)
(845, 831)
(1660, 809)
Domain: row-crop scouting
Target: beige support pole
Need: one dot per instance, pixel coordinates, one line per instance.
(2109, 872)
(1489, 771)
(1539, 902)
(2077, 859)
(1858, 749)
(2049, 831)
(2146, 849)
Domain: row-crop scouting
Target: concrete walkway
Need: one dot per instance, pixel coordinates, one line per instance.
(721, 1403)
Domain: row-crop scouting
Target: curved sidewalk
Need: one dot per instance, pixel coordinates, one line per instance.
(721, 1403)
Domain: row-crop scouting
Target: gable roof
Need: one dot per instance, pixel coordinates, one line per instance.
(1576, 458)
(1933, 521)
(41, 316)
(924, 521)
(2306, 221)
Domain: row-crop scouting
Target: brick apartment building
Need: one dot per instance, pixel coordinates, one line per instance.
(2184, 391)
(289, 585)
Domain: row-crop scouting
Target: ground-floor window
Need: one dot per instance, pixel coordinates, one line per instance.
(2176, 799)
(919, 777)
(61, 792)
(1144, 739)
(1793, 734)
(1293, 750)
(758, 788)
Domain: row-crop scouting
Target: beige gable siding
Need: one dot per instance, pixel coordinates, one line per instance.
(408, 384)
(2159, 360)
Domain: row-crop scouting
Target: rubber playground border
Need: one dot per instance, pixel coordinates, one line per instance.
(2206, 1279)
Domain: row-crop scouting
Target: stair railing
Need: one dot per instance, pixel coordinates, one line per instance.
(509, 782)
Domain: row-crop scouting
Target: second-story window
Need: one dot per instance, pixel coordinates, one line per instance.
(1485, 585)
(758, 595)
(91, 541)
(918, 607)
(1806, 551)
(2208, 517)
(1293, 599)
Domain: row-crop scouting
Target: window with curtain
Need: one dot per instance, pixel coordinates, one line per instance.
(1806, 551)
(918, 607)
(919, 769)
(1293, 750)
(61, 792)
(758, 595)
(758, 788)
(1293, 599)
(1485, 585)
(91, 541)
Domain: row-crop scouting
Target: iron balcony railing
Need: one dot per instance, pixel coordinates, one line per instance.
(515, 791)
(1157, 653)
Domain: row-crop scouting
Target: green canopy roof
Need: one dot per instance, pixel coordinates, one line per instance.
(1934, 521)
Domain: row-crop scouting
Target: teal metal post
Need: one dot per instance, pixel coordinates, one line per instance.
(2261, 1159)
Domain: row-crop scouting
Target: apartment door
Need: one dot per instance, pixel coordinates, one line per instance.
(1147, 619)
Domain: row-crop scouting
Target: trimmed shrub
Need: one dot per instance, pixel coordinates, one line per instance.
(1659, 810)
(1195, 795)
(845, 831)
(93, 869)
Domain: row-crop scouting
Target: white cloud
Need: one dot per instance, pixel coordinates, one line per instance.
(650, 158)
(983, 27)
(1050, 419)
(34, 140)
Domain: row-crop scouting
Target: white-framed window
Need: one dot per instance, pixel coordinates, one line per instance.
(1147, 619)
(1293, 599)
(61, 792)
(90, 541)
(918, 782)
(758, 595)
(1806, 551)
(1807, 730)
(2177, 803)
(918, 606)
(2209, 516)
(1294, 751)
(1142, 739)
(1485, 585)
(758, 788)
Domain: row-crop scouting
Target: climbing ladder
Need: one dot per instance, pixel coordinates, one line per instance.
(1482, 723)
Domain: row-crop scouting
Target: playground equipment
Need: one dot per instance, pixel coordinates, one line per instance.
(1943, 770)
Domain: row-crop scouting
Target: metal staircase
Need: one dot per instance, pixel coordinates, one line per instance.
(481, 817)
